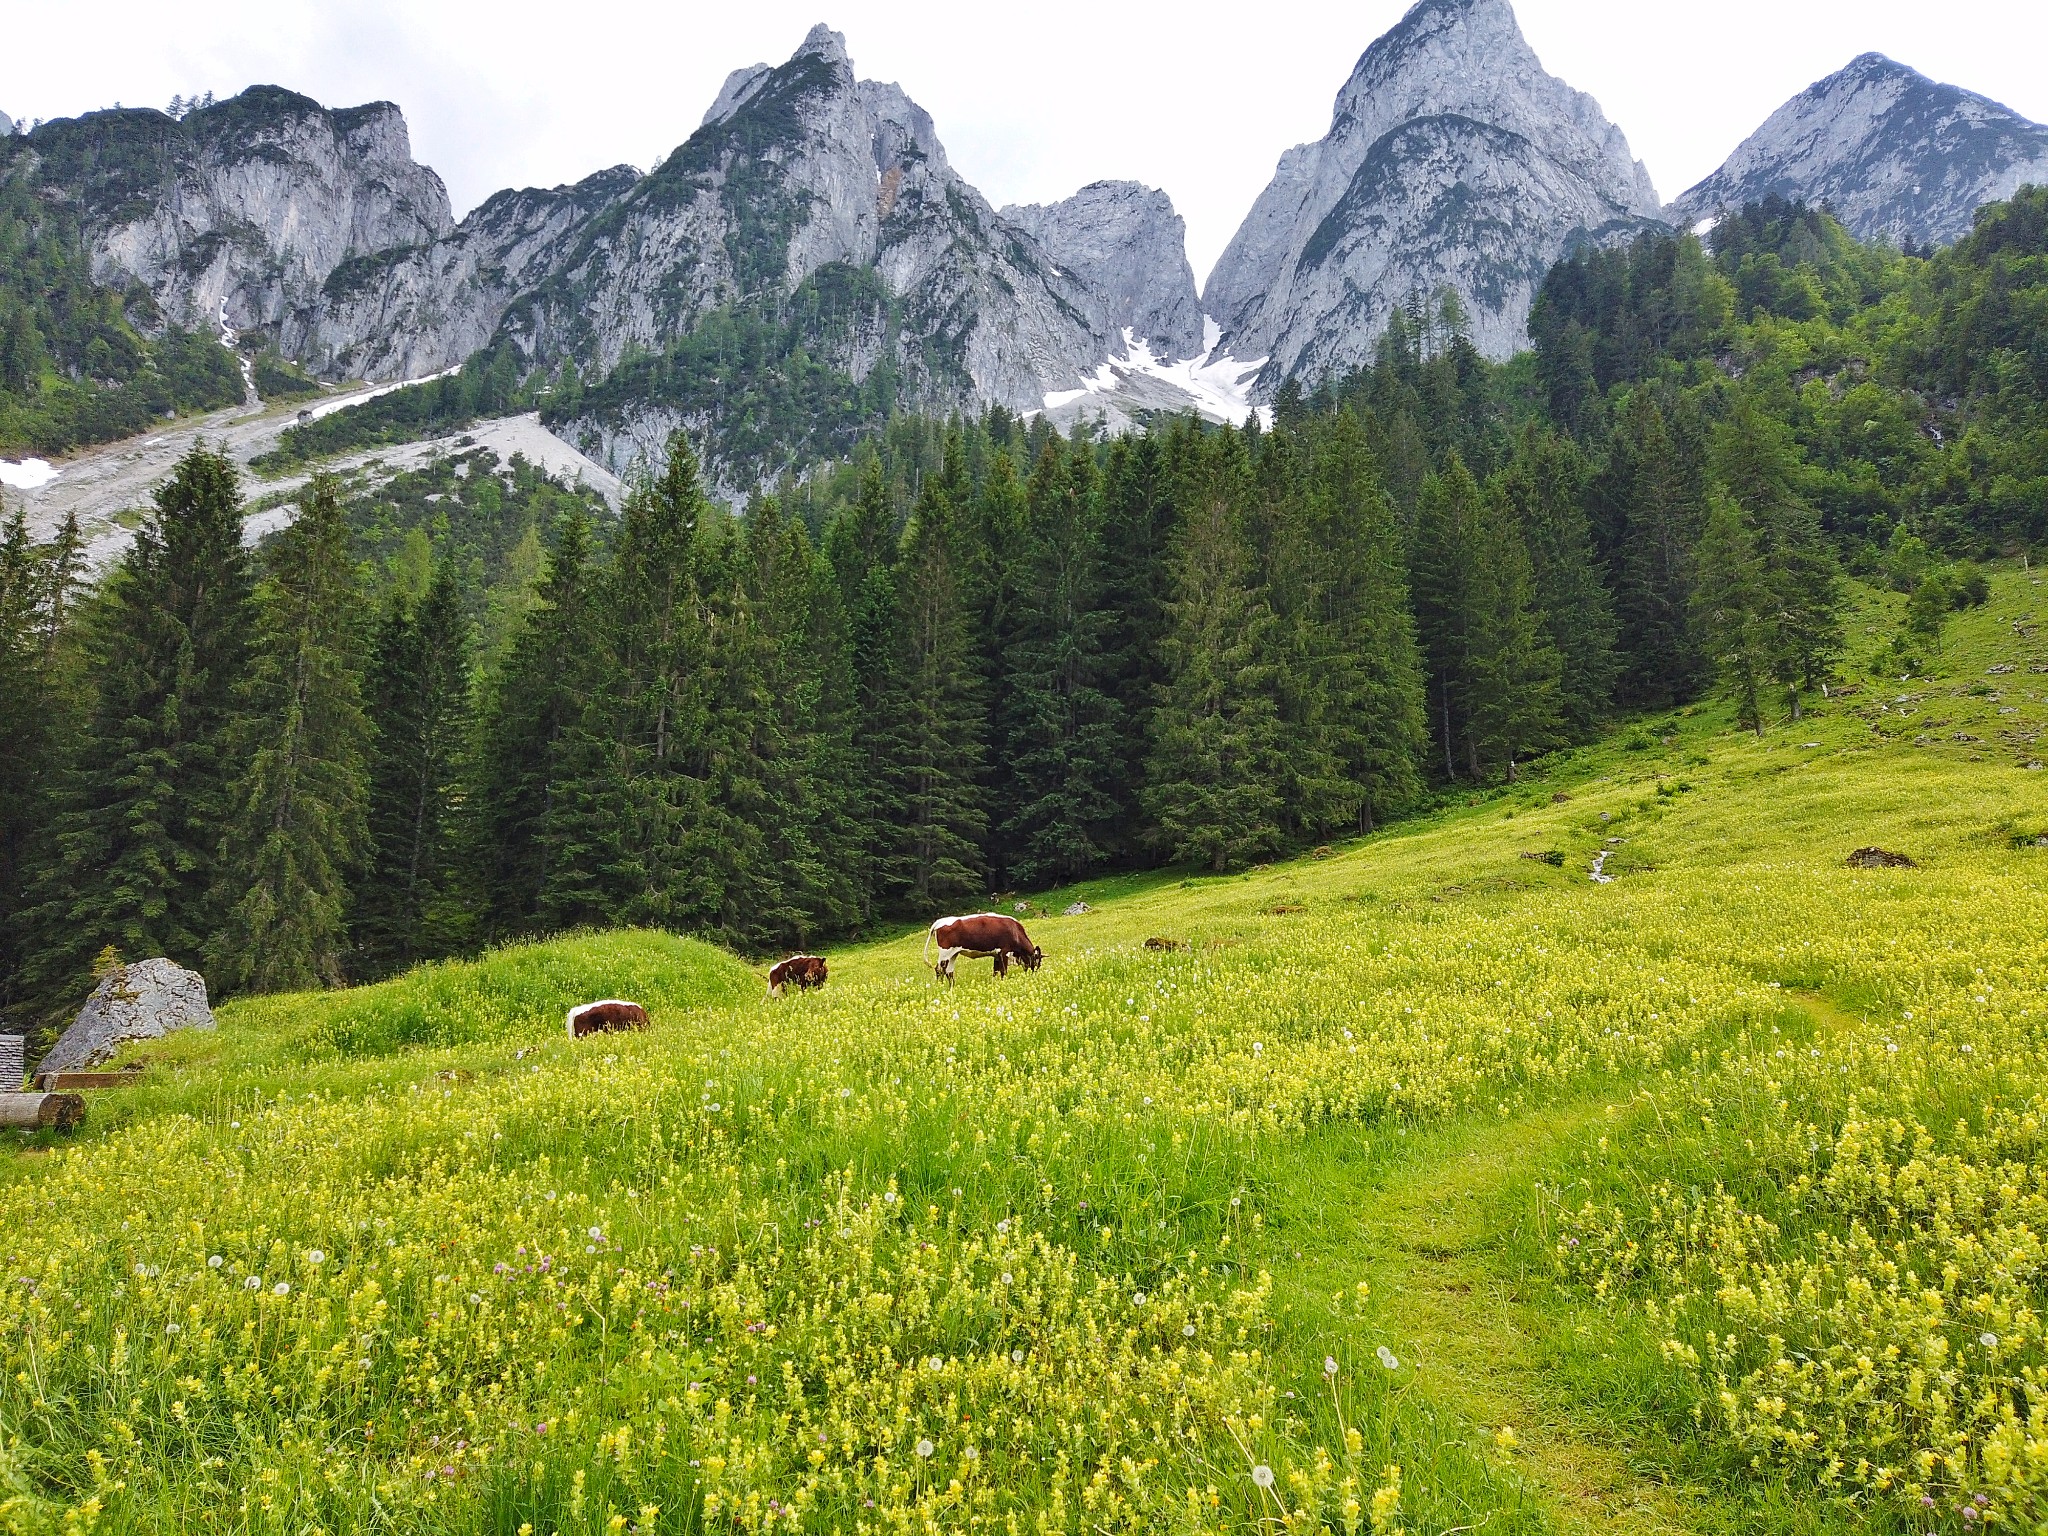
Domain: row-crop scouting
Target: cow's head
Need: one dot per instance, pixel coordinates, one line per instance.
(1031, 958)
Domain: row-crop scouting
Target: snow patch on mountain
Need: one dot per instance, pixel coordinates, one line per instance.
(1127, 388)
(28, 475)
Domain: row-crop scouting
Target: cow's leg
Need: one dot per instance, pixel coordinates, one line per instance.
(1002, 963)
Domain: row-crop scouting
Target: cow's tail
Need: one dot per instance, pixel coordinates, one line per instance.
(928, 942)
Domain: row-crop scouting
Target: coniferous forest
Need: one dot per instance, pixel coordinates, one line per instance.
(982, 658)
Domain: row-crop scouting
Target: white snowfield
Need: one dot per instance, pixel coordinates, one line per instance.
(1219, 387)
(28, 475)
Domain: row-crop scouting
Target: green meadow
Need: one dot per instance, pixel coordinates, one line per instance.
(1426, 1184)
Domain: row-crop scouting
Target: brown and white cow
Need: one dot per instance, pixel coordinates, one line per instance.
(804, 972)
(605, 1017)
(984, 936)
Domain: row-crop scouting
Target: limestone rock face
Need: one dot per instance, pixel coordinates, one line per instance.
(238, 213)
(1125, 241)
(143, 1001)
(1895, 155)
(1453, 159)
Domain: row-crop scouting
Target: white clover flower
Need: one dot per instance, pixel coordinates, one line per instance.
(1262, 1475)
(925, 1448)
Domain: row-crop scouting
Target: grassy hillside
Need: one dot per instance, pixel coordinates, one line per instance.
(1426, 1186)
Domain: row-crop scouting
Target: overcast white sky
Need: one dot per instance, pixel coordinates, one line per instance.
(1030, 102)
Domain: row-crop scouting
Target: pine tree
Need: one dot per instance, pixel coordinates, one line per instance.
(1756, 459)
(412, 903)
(930, 819)
(649, 792)
(1358, 644)
(135, 843)
(1139, 521)
(1515, 669)
(1445, 562)
(1732, 603)
(995, 572)
(1653, 499)
(1218, 751)
(533, 711)
(1546, 486)
(1066, 733)
(860, 544)
(296, 827)
(38, 702)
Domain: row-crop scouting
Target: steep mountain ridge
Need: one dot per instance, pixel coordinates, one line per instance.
(1453, 158)
(238, 213)
(1896, 156)
(1124, 240)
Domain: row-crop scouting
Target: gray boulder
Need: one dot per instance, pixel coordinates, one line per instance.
(143, 1001)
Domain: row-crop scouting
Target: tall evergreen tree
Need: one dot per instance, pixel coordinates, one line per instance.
(296, 825)
(1357, 645)
(861, 546)
(1755, 458)
(1139, 519)
(1515, 706)
(38, 701)
(413, 902)
(137, 838)
(1067, 733)
(930, 818)
(532, 714)
(1218, 749)
(995, 575)
(1546, 485)
(1445, 562)
(1652, 496)
(1732, 603)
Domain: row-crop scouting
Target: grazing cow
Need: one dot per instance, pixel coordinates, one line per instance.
(804, 972)
(605, 1017)
(986, 935)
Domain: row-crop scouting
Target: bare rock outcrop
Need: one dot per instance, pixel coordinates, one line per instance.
(143, 1001)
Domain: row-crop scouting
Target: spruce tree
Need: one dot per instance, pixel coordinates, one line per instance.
(1756, 460)
(136, 841)
(296, 827)
(1732, 605)
(1653, 497)
(996, 574)
(1515, 705)
(1139, 520)
(1447, 550)
(648, 790)
(1218, 749)
(1358, 643)
(1066, 734)
(930, 816)
(413, 902)
(860, 544)
(533, 711)
(38, 702)
(1546, 485)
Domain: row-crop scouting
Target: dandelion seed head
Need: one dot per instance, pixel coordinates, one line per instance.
(1262, 1475)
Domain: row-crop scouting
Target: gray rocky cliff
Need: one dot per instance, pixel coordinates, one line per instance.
(1125, 241)
(1453, 158)
(244, 209)
(1895, 155)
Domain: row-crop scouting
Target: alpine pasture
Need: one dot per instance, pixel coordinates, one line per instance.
(1427, 1186)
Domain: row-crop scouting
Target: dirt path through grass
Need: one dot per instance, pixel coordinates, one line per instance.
(1441, 1233)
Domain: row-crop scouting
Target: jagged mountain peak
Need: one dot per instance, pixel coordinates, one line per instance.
(824, 43)
(1453, 159)
(1128, 244)
(1896, 155)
